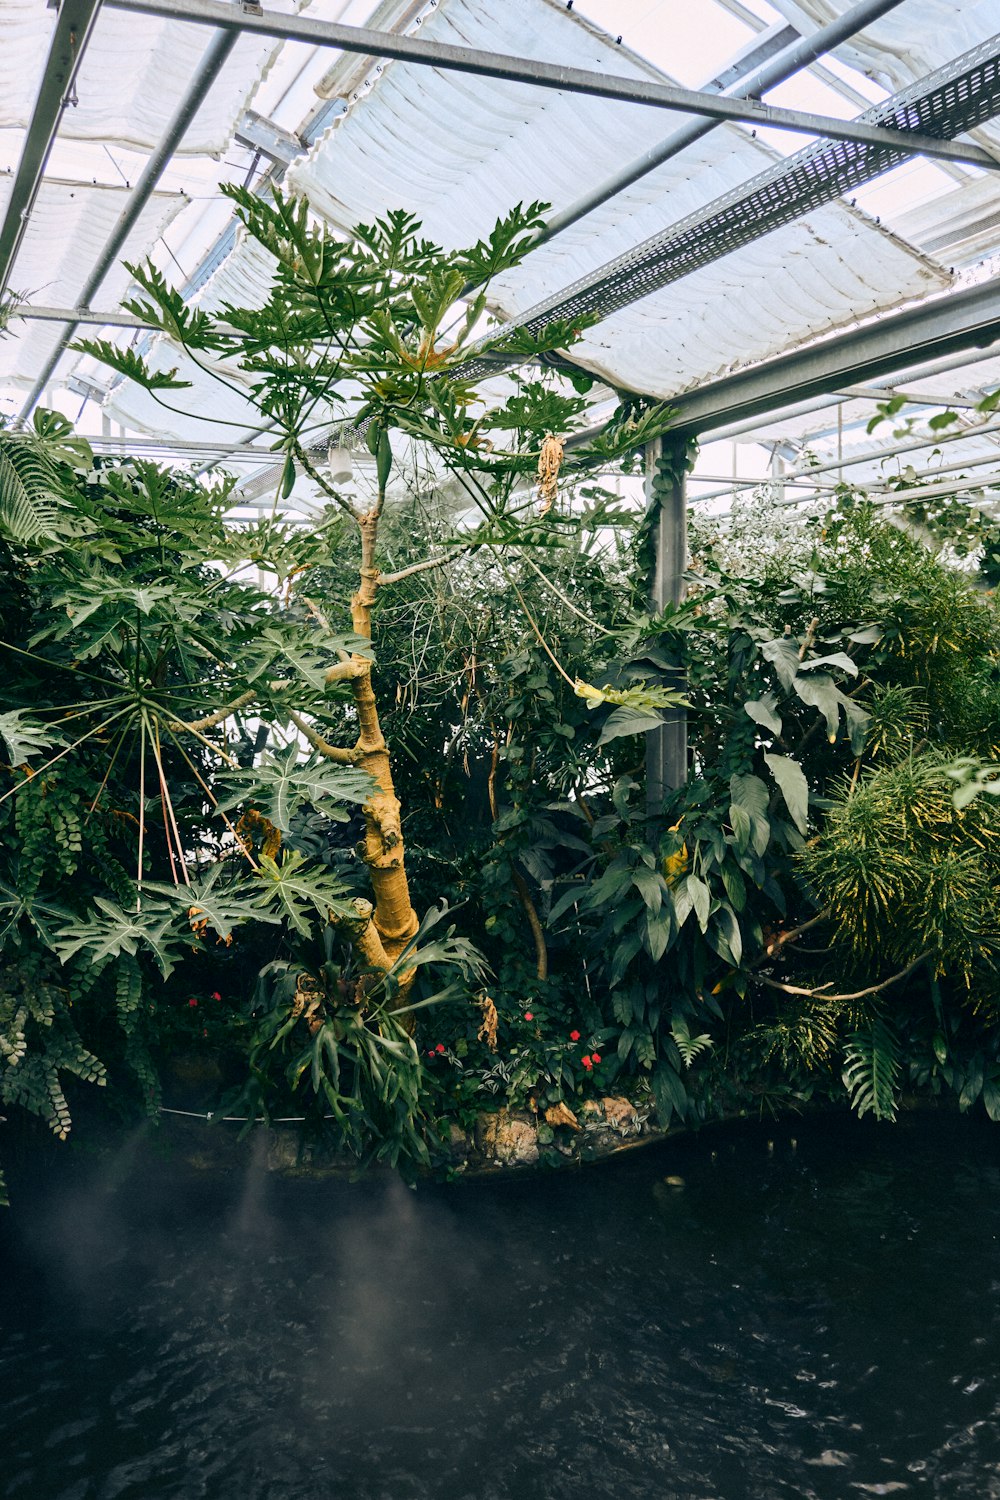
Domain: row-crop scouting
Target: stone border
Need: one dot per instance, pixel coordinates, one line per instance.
(499, 1142)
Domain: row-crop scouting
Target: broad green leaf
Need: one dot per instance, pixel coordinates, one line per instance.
(660, 931)
(837, 659)
(701, 899)
(23, 739)
(108, 932)
(764, 711)
(650, 887)
(749, 801)
(303, 895)
(624, 721)
(669, 1092)
(223, 906)
(791, 780)
(725, 937)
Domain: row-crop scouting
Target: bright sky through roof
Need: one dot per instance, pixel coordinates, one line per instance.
(690, 40)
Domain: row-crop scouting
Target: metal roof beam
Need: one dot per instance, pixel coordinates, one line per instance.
(946, 325)
(556, 76)
(79, 315)
(766, 74)
(74, 24)
(964, 93)
(218, 50)
(273, 141)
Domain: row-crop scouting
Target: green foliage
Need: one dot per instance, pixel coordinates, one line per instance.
(340, 1034)
(872, 1069)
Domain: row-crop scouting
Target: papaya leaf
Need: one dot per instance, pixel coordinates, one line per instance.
(280, 784)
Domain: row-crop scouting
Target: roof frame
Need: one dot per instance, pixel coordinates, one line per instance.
(73, 28)
(223, 13)
(942, 326)
(220, 45)
(964, 93)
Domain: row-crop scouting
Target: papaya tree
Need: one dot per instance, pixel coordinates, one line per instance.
(381, 335)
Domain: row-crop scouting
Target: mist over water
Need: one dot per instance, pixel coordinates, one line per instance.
(819, 1320)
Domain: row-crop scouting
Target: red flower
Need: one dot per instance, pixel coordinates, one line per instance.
(529, 1015)
(588, 1062)
(192, 1001)
(215, 995)
(574, 1036)
(430, 1052)
(595, 1057)
(440, 1047)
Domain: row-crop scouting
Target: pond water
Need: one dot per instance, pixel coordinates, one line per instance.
(814, 1313)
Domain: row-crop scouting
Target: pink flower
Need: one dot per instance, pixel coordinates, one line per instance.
(588, 1062)
(192, 1001)
(529, 1015)
(595, 1057)
(440, 1047)
(215, 995)
(574, 1036)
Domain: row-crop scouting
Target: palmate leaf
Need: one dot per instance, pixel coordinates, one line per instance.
(223, 907)
(107, 932)
(302, 894)
(130, 364)
(507, 244)
(276, 652)
(280, 784)
(872, 1068)
(22, 739)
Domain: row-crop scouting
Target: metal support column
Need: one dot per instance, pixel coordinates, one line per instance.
(666, 504)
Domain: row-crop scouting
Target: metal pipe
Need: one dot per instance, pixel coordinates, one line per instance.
(886, 497)
(820, 403)
(74, 26)
(911, 446)
(788, 62)
(666, 505)
(216, 53)
(556, 76)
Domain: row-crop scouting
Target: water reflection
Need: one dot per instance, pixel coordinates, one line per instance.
(812, 1321)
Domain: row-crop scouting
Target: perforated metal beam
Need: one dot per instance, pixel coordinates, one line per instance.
(74, 23)
(444, 55)
(955, 98)
(755, 77)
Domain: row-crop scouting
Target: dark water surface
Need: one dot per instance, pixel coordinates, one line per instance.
(817, 1320)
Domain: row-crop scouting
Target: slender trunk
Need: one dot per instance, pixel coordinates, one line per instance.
(394, 918)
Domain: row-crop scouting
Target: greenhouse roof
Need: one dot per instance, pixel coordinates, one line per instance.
(732, 192)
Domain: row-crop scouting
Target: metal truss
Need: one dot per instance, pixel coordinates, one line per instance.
(218, 50)
(904, 137)
(74, 23)
(957, 97)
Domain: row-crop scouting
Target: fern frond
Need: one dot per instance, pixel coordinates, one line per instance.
(29, 499)
(872, 1068)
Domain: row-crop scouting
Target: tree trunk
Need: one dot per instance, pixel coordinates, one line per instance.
(394, 918)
